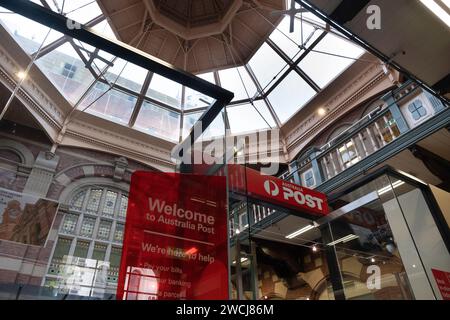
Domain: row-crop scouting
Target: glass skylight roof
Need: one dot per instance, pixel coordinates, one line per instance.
(100, 84)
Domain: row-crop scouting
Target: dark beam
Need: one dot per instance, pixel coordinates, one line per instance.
(347, 10)
(443, 85)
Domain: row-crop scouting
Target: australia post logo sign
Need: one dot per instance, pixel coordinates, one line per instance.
(175, 241)
(284, 193)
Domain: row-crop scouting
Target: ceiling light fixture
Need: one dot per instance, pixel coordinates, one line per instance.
(314, 248)
(409, 175)
(396, 184)
(300, 231)
(440, 12)
(345, 239)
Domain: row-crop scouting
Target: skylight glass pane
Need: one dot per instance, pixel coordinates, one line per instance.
(239, 117)
(230, 80)
(266, 64)
(64, 68)
(165, 90)
(313, 18)
(189, 121)
(127, 75)
(159, 122)
(208, 77)
(87, 51)
(290, 96)
(105, 29)
(215, 129)
(79, 10)
(194, 99)
(322, 68)
(27, 33)
(289, 42)
(114, 105)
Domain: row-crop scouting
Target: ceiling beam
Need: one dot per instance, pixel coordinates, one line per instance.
(347, 10)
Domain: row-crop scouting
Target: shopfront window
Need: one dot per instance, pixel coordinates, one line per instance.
(87, 254)
(381, 246)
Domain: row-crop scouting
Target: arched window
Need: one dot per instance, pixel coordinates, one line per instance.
(90, 237)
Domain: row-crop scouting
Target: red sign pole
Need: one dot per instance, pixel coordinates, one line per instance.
(175, 242)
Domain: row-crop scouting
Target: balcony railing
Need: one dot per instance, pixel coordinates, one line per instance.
(378, 131)
(372, 133)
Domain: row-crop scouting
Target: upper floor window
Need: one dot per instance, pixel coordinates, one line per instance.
(417, 110)
(69, 70)
(308, 178)
(348, 154)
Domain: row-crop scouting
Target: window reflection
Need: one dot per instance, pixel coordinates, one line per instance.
(165, 90)
(113, 105)
(158, 121)
(140, 284)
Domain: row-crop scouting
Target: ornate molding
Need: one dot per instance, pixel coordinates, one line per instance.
(31, 95)
(154, 156)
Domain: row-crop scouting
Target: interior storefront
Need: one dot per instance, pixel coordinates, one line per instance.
(363, 145)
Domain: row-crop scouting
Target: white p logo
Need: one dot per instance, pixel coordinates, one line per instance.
(271, 188)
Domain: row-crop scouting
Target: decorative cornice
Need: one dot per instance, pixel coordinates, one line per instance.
(148, 157)
(30, 93)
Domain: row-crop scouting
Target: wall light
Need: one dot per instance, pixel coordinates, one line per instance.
(21, 75)
(321, 112)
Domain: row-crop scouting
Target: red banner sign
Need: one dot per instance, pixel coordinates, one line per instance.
(277, 191)
(443, 282)
(175, 242)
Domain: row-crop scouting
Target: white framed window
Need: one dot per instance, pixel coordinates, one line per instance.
(417, 110)
(243, 221)
(308, 178)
